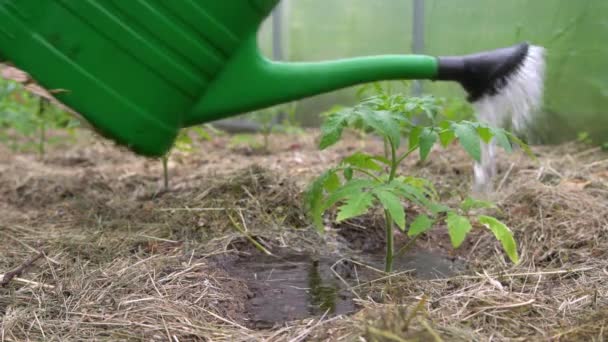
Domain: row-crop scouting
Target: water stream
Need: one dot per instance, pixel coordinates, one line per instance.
(512, 107)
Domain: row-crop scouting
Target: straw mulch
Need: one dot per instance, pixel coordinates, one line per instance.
(101, 252)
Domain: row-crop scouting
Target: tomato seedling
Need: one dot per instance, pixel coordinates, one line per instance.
(362, 181)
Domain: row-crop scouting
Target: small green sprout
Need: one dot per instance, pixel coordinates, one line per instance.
(185, 143)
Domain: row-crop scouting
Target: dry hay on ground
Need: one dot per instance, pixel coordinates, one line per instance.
(126, 260)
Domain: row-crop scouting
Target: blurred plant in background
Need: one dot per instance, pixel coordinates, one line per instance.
(277, 119)
(26, 119)
(585, 138)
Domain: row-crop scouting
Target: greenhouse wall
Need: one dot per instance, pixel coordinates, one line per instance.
(571, 31)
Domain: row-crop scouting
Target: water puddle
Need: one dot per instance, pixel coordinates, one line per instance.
(295, 286)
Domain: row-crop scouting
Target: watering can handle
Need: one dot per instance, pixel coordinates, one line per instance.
(250, 81)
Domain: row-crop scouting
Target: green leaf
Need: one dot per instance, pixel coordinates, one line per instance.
(427, 140)
(458, 228)
(485, 134)
(468, 139)
(332, 127)
(446, 137)
(383, 123)
(503, 234)
(425, 185)
(471, 203)
(356, 205)
(421, 224)
(392, 203)
(361, 92)
(332, 183)
(348, 173)
(437, 208)
(349, 189)
(413, 193)
(314, 199)
(414, 136)
(521, 144)
(502, 139)
(363, 161)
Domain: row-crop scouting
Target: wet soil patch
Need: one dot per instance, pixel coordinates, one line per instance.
(288, 285)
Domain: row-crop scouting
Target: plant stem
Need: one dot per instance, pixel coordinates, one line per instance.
(404, 155)
(407, 246)
(166, 171)
(42, 136)
(240, 229)
(388, 264)
(366, 173)
(386, 148)
(41, 139)
(266, 134)
(394, 161)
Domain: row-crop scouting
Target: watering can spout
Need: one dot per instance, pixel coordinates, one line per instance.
(250, 81)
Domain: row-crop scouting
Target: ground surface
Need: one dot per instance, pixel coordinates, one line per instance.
(125, 260)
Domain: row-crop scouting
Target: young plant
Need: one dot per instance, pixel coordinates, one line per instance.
(25, 119)
(185, 143)
(362, 181)
(585, 138)
(279, 118)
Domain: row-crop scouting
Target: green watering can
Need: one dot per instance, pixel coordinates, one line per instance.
(140, 70)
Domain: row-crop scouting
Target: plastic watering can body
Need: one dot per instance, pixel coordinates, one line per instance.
(139, 70)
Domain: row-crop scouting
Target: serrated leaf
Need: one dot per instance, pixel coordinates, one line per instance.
(470, 203)
(383, 123)
(503, 234)
(362, 90)
(413, 193)
(502, 139)
(332, 127)
(425, 185)
(362, 160)
(467, 135)
(350, 188)
(458, 228)
(314, 199)
(393, 204)
(356, 205)
(426, 141)
(421, 224)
